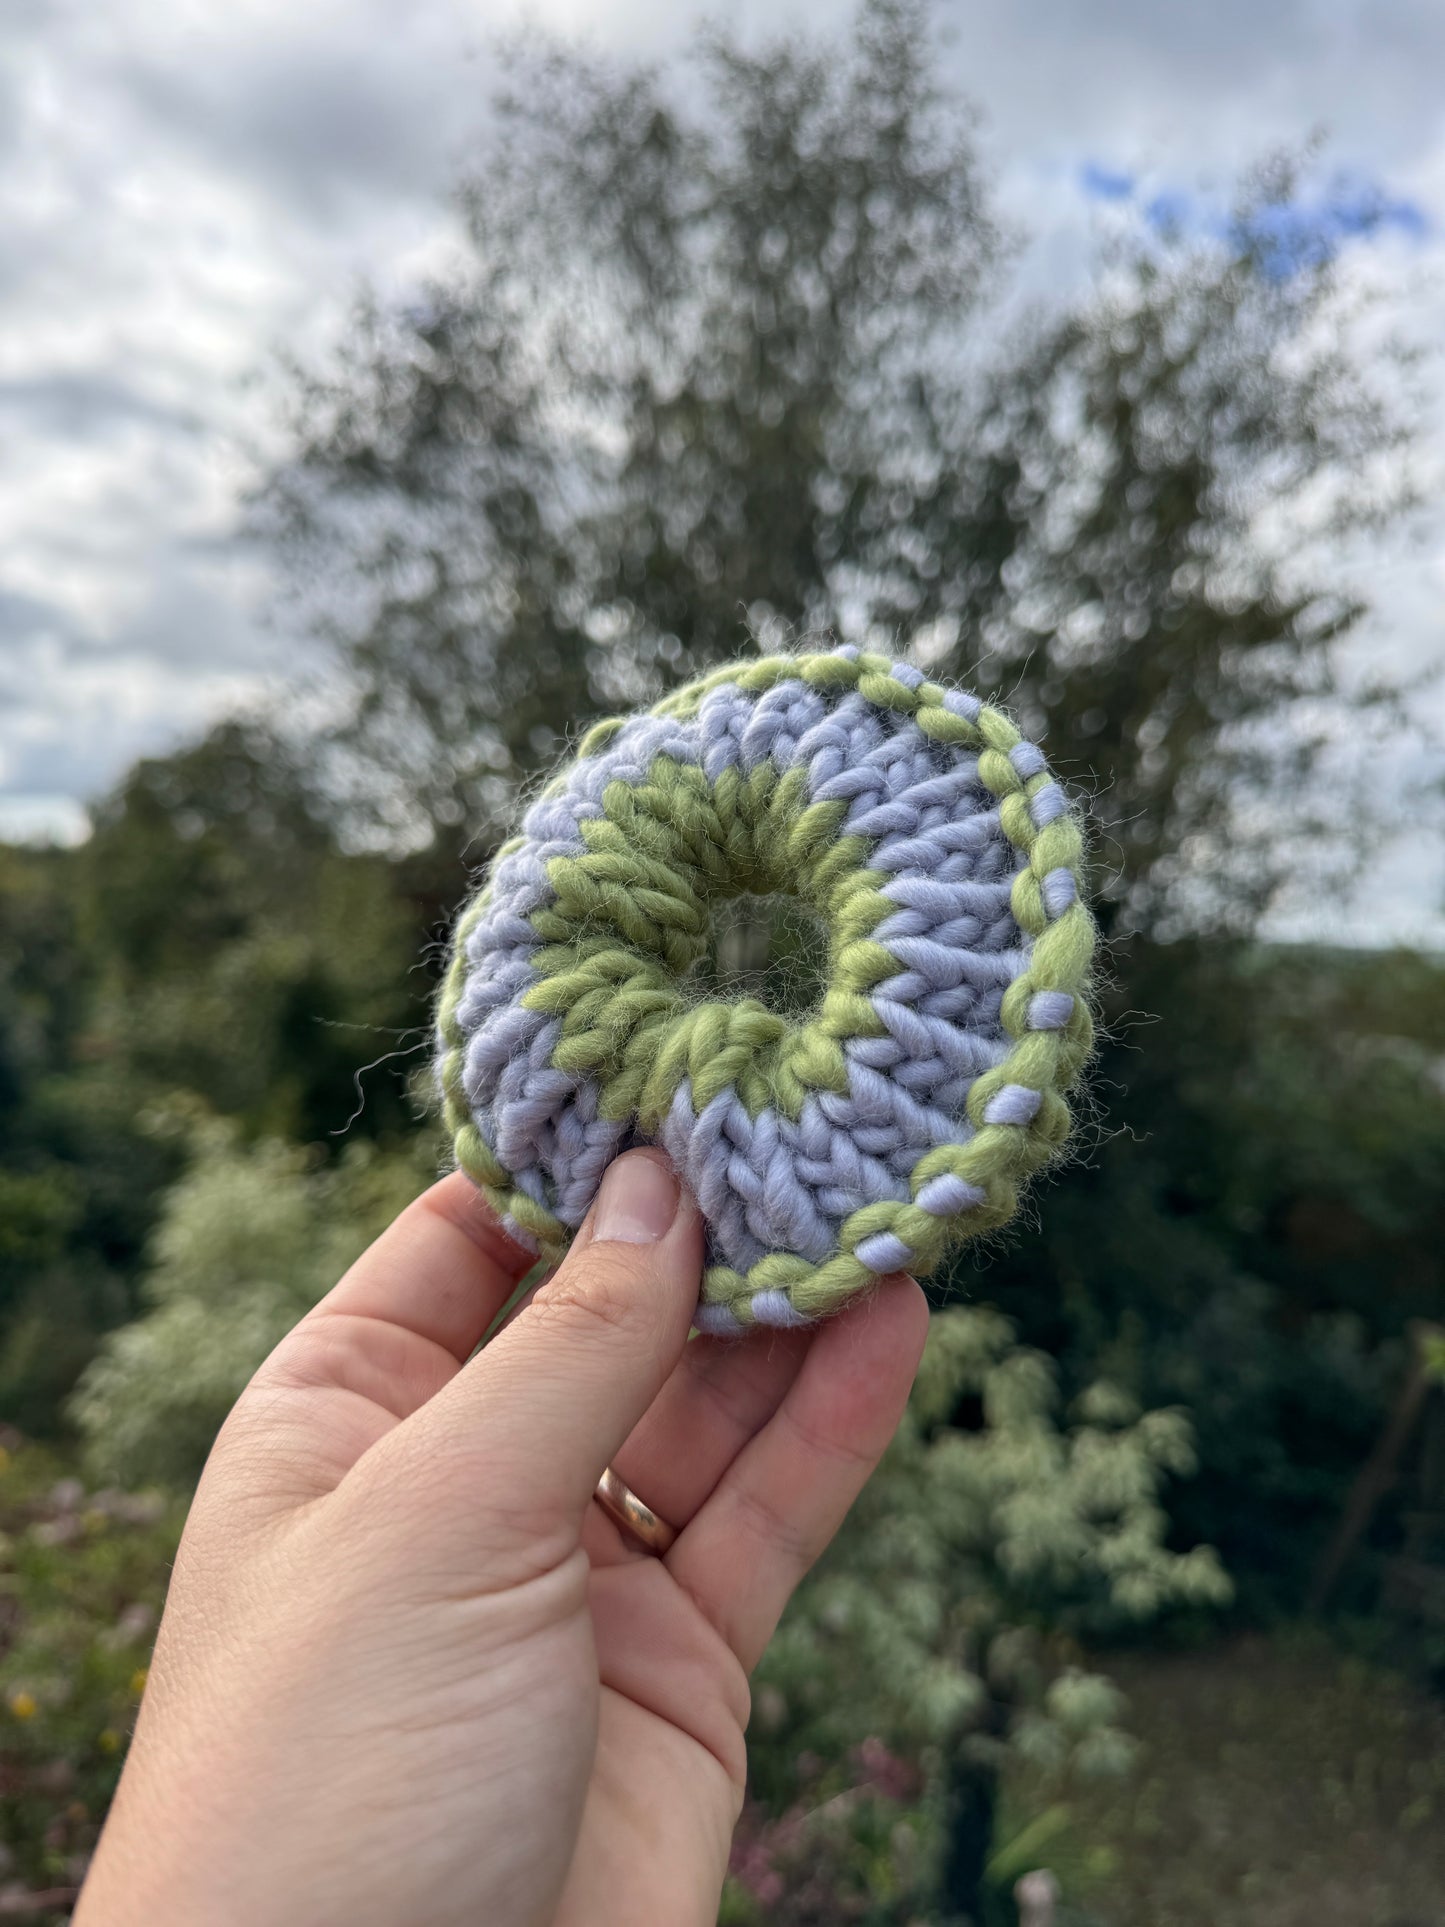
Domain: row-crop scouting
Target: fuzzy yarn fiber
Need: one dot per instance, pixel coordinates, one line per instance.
(899, 1116)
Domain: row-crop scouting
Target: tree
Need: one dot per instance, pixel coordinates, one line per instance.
(75, 1172)
(573, 473)
(718, 363)
(241, 954)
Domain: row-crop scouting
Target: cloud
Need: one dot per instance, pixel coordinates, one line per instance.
(83, 405)
(336, 106)
(156, 681)
(22, 619)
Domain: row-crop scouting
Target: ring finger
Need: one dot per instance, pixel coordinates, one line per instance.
(721, 1394)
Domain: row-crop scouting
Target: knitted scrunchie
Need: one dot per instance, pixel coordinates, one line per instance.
(898, 1117)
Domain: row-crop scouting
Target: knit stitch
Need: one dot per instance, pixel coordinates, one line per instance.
(893, 1121)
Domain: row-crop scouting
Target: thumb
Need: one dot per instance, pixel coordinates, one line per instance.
(536, 1416)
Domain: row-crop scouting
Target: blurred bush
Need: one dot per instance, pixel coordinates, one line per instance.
(1253, 1240)
(944, 1624)
(83, 1575)
(247, 1241)
(213, 944)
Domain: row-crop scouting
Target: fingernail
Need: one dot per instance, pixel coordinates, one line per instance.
(637, 1202)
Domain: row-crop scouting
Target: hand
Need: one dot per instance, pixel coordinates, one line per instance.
(409, 1674)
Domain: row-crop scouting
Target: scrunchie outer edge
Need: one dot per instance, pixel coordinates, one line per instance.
(1017, 1109)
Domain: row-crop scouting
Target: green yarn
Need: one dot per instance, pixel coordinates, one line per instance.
(655, 860)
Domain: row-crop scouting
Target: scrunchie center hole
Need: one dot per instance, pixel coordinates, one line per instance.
(772, 947)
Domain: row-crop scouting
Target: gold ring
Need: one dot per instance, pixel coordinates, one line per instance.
(625, 1509)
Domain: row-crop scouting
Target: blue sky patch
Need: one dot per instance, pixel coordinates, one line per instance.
(1306, 231)
(1105, 183)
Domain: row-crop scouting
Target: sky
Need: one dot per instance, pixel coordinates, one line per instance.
(187, 190)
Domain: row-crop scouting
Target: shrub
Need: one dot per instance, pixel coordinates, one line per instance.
(82, 1578)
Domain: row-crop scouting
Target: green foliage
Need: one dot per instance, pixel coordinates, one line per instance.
(1129, 544)
(247, 1241)
(211, 939)
(76, 1175)
(1253, 1242)
(82, 1577)
(633, 411)
(242, 955)
(991, 1540)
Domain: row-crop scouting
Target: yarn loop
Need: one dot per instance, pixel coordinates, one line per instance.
(892, 1120)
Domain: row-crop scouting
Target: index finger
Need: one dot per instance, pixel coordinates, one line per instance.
(383, 1342)
(442, 1271)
